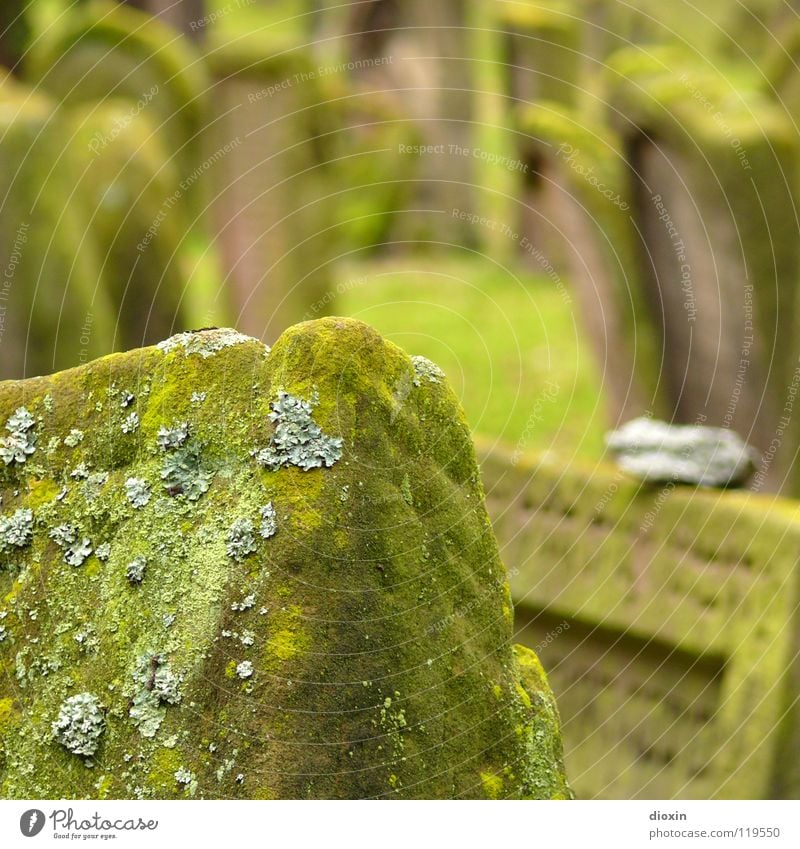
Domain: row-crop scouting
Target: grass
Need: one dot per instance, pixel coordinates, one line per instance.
(510, 344)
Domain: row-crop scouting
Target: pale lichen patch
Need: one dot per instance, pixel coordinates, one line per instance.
(134, 571)
(269, 521)
(425, 370)
(80, 724)
(16, 530)
(184, 472)
(137, 491)
(241, 540)
(170, 438)
(73, 438)
(21, 441)
(298, 440)
(156, 686)
(244, 669)
(130, 423)
(205, 343)
(68, 538)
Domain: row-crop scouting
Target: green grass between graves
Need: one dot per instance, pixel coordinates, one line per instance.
(509, 343)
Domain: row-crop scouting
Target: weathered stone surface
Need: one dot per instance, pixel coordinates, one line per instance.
(659, 452)
(665, 616)
(209, 590)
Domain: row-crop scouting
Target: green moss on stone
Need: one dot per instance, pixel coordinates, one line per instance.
(387, 617)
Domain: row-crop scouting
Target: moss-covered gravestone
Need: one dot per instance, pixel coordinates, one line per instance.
(271, 208)
(227, 571)
(102, 50)
(54, 307)
(95, 255)
(719, 264)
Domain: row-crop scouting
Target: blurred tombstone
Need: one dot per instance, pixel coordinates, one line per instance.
(577, 225)
(666, 615)
(415, 54)
(108, 186)
(673, 214)
(541, 51)
(130, 189)
(101, 50)
(270, 209)
(54, 309)
(132, 97)
(370, 185)
(779, 62)
(715, 177)
(14, 33)
(182, 15)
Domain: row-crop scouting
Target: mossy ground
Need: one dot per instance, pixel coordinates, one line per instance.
(377, 619)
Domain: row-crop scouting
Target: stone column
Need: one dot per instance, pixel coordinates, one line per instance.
(269, 208)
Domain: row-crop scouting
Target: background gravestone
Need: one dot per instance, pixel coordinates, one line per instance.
(102, 176)
(272, 217)
(51, 277)
(667, 619)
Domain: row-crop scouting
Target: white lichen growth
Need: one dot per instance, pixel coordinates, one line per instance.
(184, 776)
(245, 604)
(166, 686)
(198, 397)
(87, 639)
(77, 554)
(80, 472)
(205, 343)
(134, 571)
(131, 423)
(126, 399)
(298, 440)
(64, 535)
(80, 724)
(424, 369)
(244, 669)
(183, 472)
(170, 438)
(241, 540)
(76, 548)
(156, 687)
(16, 531)
(21, 441)
(269, 521)
(138, 492)
(103, 551)
(94, 483)
(73, 438)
